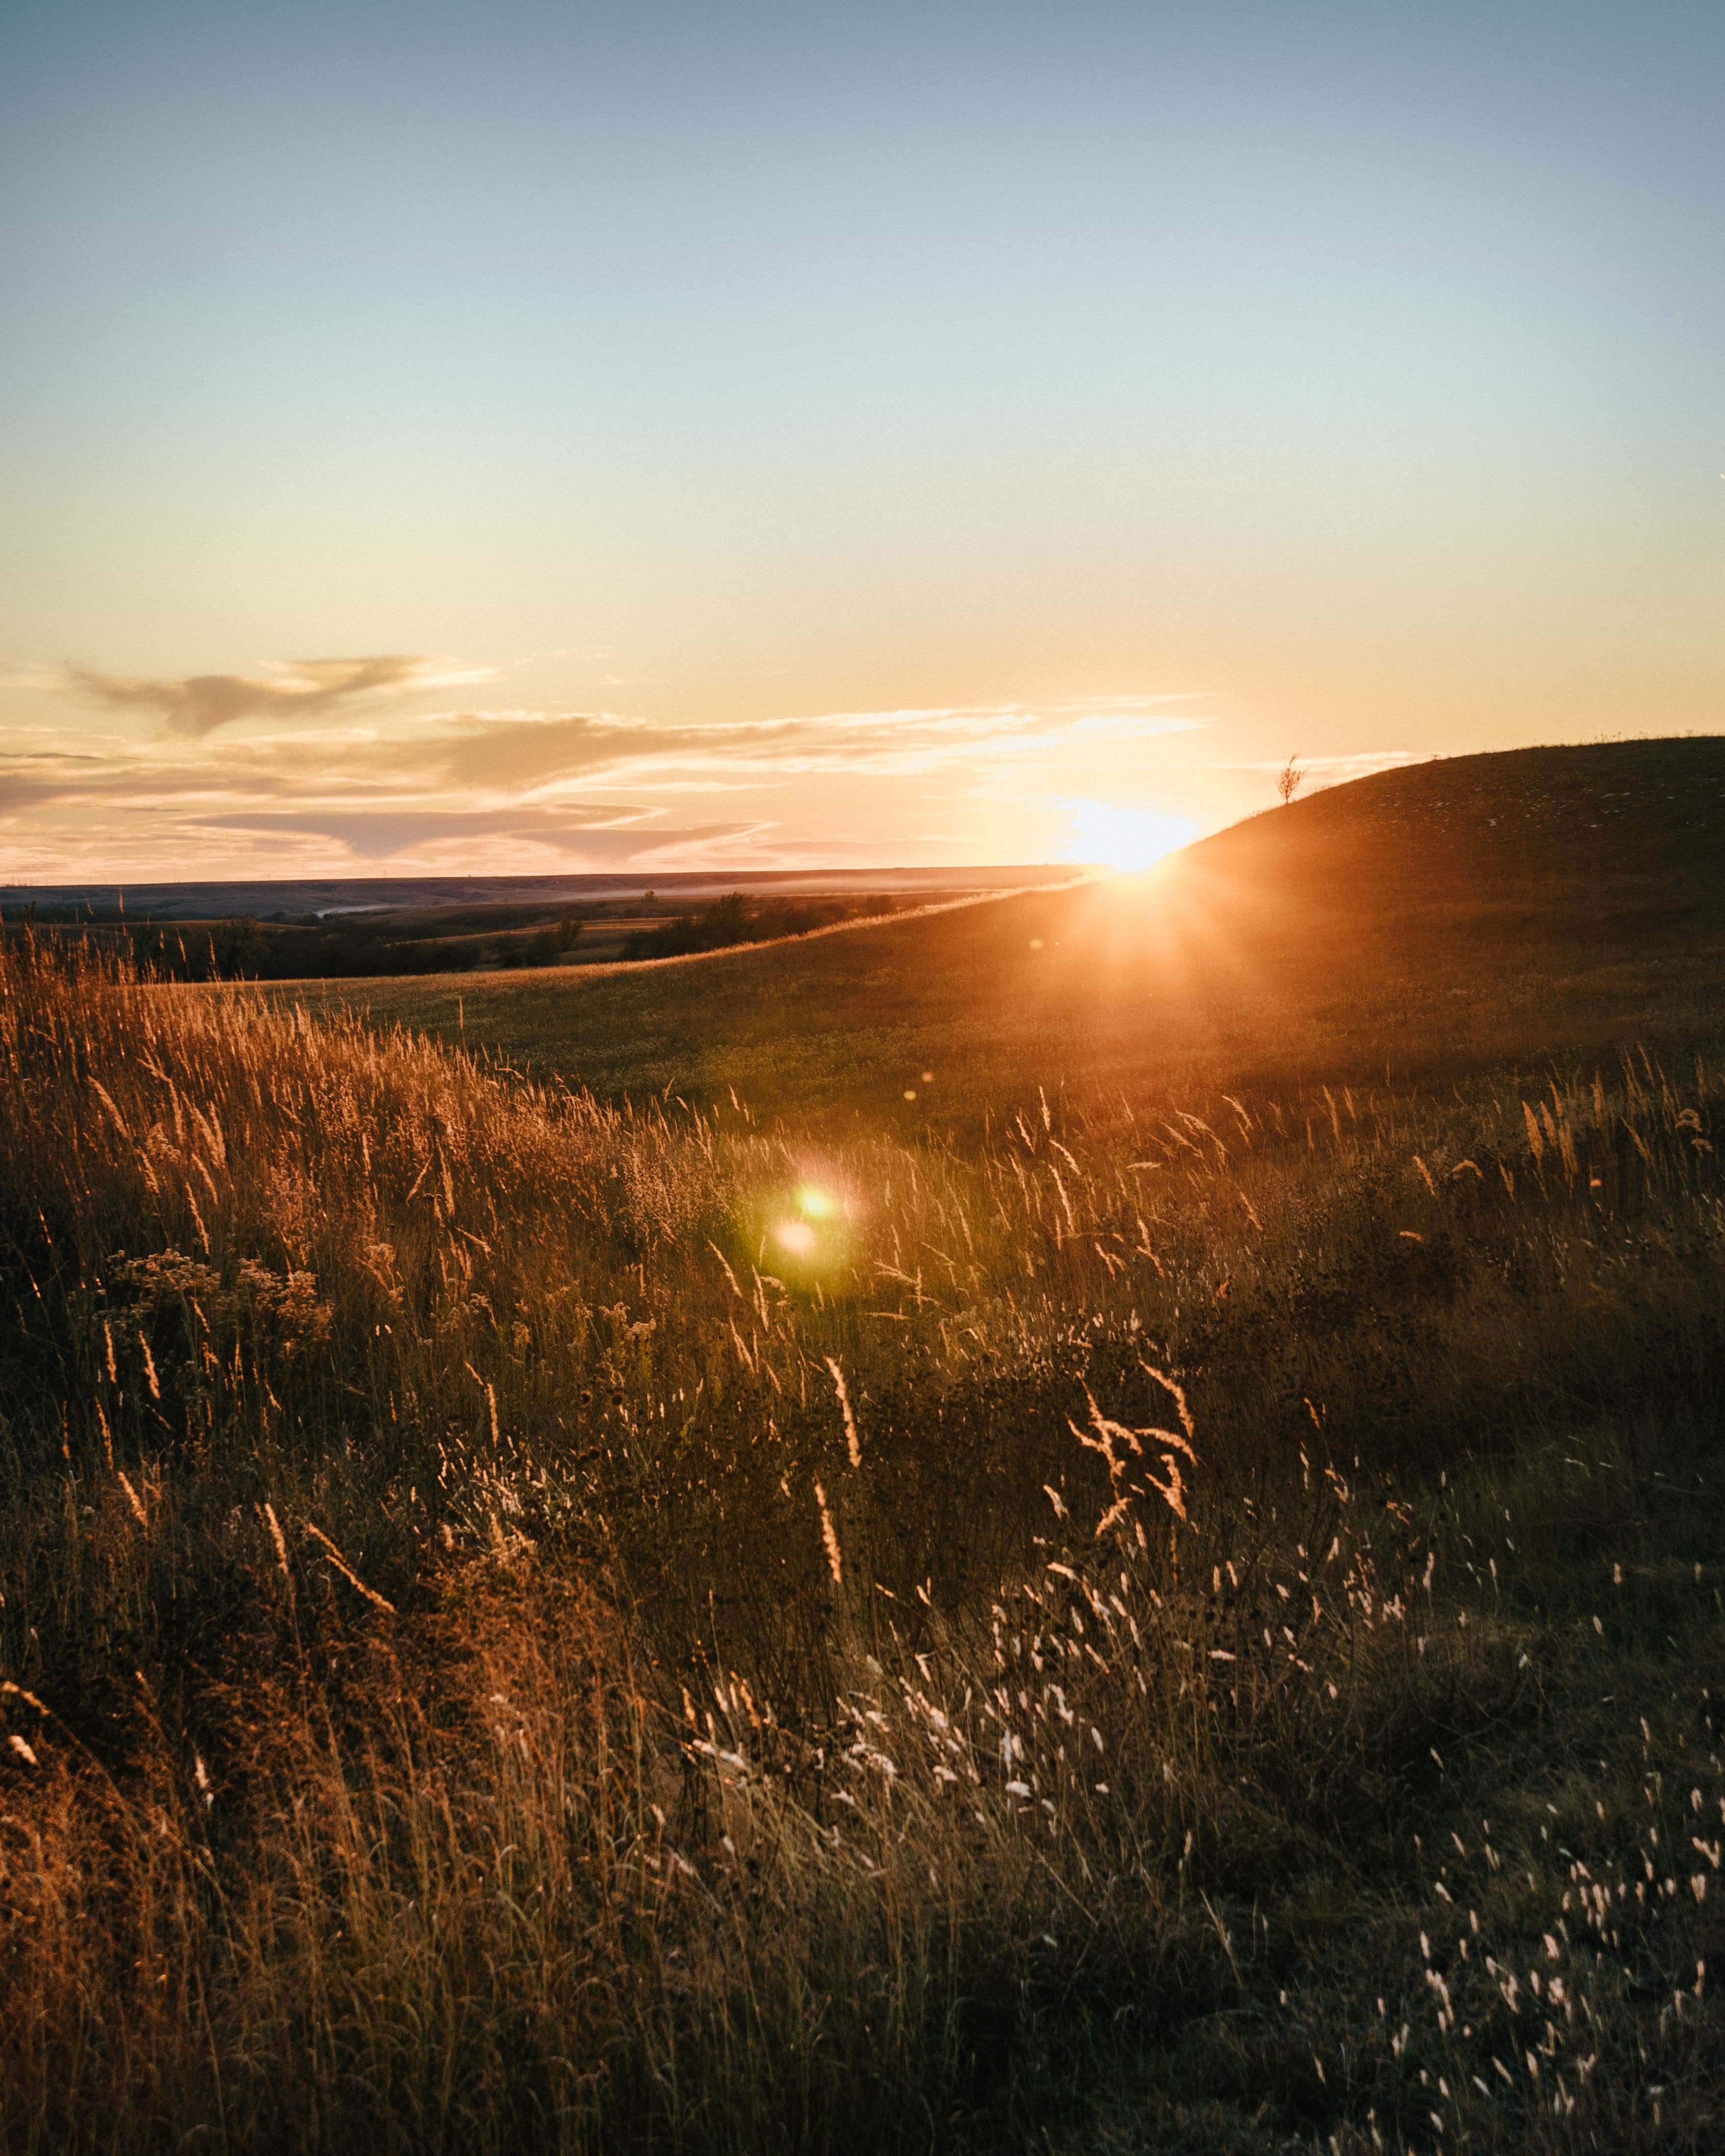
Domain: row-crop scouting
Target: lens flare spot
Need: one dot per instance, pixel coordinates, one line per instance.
(814, 1204)
(796, 1236)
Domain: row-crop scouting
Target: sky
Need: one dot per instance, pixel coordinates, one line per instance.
(517, 436)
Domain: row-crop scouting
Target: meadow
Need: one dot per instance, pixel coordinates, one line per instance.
(1472, 913)
(1181, 1612)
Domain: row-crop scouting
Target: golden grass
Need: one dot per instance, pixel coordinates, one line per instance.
(1153, 1633)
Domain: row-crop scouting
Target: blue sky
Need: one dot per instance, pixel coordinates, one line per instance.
(891, 431)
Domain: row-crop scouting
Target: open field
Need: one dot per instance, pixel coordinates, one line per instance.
(389, 927)
(1187, 1619)
(1485, 910)
(401, 899)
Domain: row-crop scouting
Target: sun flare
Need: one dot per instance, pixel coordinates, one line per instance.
(1121, 837)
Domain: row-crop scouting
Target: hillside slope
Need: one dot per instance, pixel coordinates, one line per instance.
(1467, 912)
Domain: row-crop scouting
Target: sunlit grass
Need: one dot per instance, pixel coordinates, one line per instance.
(504, 1653)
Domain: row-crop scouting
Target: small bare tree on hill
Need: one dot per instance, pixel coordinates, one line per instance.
(1287, 781)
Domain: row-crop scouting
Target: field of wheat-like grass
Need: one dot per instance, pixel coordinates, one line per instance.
(528, 1623)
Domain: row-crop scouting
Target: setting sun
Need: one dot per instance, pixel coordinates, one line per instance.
(1122, 838)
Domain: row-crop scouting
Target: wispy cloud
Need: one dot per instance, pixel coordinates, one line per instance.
(383, 834)
(285, 689)
(530, 749)
(338, 765)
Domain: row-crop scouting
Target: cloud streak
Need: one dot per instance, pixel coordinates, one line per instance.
(382, 835)
(531, 750)
(336, 767)
(288, 689)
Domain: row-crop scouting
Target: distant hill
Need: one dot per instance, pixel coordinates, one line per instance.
(1474, 830)
(1508, 908)
(400, 898)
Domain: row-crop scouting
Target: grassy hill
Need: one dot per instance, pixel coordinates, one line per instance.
(1477, 909)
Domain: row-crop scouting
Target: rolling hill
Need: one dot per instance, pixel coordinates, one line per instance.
(1460, 913)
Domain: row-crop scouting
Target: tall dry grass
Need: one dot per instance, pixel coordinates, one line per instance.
(528, 1624)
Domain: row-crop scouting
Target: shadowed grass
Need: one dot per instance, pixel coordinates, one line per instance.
(534, 1624)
